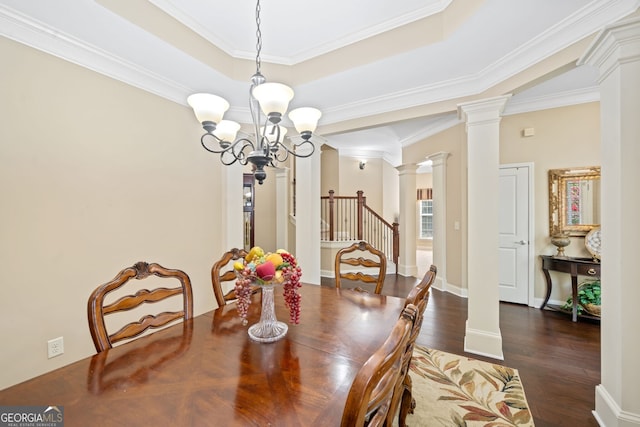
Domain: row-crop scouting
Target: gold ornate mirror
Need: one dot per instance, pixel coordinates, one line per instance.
(574, 200)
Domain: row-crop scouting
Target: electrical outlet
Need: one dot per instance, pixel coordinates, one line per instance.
(55, 347)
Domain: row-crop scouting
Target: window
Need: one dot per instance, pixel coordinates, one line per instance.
(426, 219)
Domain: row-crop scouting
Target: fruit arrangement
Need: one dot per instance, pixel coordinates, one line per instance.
(262, 268)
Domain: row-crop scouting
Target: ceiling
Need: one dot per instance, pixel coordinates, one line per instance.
(385, 74)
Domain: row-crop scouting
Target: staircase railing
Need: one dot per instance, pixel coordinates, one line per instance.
(347, 218)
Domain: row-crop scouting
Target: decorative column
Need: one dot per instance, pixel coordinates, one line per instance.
(232, 229)
(308, 213)
(483, 334)
(439, 178)
(282, 207)
(616, 54)
(408, 218)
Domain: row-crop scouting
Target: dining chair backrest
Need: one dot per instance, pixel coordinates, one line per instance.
(420, 291)
(371, 392)
(133, 367)
(403, 403)
(361, 262)
(97, 308)
(223, 276)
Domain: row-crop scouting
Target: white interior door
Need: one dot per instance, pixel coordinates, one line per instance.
(514, 234)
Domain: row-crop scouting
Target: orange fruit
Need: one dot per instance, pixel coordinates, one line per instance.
(274, 259)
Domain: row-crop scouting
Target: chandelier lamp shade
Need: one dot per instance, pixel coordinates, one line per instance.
(268, 103)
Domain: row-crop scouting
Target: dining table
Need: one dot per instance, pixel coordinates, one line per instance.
(207, 371)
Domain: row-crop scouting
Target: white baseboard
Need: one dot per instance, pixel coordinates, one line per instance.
(483, 343)
(609, 414)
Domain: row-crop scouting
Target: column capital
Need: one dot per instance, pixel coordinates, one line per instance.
(406, 169)
(483, 110)
(438, 158)
(619, 42)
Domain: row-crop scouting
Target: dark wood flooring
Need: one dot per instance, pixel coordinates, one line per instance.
(558, 360)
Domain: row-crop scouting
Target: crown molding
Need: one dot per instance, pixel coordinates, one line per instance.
(554, 100)
(26, 30)
(393, 159)
(571, 30)
(514, 106)
(582, 24)
(591, 18)
(431, 129)
(171, 9)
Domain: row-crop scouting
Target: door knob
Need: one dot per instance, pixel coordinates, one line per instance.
(521, 242)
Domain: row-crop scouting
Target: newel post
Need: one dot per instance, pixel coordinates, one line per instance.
(396, 244)
(331, 205)
(361, 202)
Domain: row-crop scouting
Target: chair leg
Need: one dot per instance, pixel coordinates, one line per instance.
(407, 404)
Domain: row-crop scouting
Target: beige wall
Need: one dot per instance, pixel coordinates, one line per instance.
(424, 180)
(391, 193)
(564, 137)
(369, 180)
(452, 141)
(95, 175)
(330, 176)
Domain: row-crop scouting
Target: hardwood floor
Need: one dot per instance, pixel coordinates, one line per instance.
(558, 360)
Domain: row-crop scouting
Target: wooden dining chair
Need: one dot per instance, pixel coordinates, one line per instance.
(133, 367)
(403, 402)
(348, 267)
(223, 277)
(420, 291)
(371, 393)
(97, 308)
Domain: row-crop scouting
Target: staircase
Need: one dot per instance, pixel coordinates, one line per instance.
(345, 219)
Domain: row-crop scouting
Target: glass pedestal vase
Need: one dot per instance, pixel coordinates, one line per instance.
(268, 329)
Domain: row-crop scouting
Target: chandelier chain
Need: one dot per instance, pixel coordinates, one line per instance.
(258, 38)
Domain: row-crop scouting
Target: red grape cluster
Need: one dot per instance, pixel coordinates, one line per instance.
(291, 296)
(243, 293)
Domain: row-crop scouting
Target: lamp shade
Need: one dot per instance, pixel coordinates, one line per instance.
(207, 107)
(305, 119)
(227, 130)
(273, 97)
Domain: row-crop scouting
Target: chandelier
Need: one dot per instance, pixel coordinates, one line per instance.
(268, 102)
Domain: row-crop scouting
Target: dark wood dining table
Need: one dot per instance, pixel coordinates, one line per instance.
(208, 372)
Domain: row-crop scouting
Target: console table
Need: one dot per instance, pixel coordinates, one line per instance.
(575, 267)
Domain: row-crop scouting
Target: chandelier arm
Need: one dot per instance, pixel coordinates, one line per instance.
(281, 155)
(224, 156)
(302, 144)
(239, 148)
(212, 150)
(286, 150)
(278, 154)
(236, 149)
